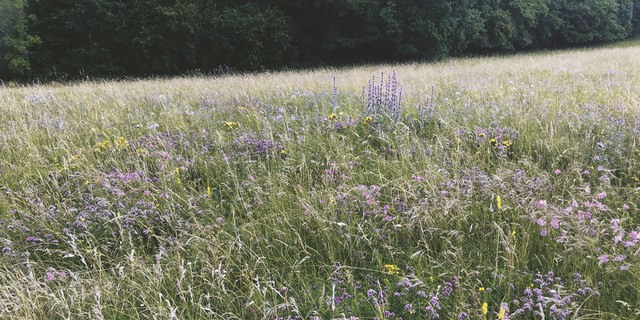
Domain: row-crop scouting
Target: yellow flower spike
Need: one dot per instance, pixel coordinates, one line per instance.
(208, 190)
(501, 314)
(513, 233)
(499, 203)
(485, 308)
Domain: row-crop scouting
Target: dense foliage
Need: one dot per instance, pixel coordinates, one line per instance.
(59, 39)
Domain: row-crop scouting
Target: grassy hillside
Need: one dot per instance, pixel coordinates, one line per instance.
(495, 188)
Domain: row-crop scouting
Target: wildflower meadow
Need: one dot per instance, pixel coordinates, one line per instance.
(478, 188)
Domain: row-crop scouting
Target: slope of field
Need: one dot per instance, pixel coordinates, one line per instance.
(483, 188)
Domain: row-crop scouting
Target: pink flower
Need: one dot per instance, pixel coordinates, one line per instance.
(558, 171)
(625, 207)
(618, 238)
(555, 223)
(541, 222)
(602, 195)
(543, 232)
(542, 203)
(603, 258)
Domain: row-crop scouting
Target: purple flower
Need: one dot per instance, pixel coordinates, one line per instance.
(624, 268)
(618, 238)
(625, 207)
(50, 276)
(603, 258)
(542, 203)
(543, 232)
(541, 222)
(435, 302)
(558, 172)
(554, 223)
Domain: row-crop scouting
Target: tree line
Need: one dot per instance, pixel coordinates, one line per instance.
(71, 39)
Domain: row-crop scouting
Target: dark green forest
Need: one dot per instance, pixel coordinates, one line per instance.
(75, 39)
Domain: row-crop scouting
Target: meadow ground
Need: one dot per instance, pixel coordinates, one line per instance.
(495, 188)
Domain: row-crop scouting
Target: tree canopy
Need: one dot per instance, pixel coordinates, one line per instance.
(67, 39)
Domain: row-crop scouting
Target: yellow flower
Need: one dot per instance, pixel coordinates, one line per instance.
(391, 269)
(332, 117)
(431, 278)
(484, 308)
(513, 233)
(368, 119)
(121, 143)
(482, 135)
(493, 142)
(282, 152)
(499, 203)
(231, 125)
(501, 314)
(481, 289)
(506, 143)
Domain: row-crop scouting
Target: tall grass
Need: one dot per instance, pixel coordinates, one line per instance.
(277, 195)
